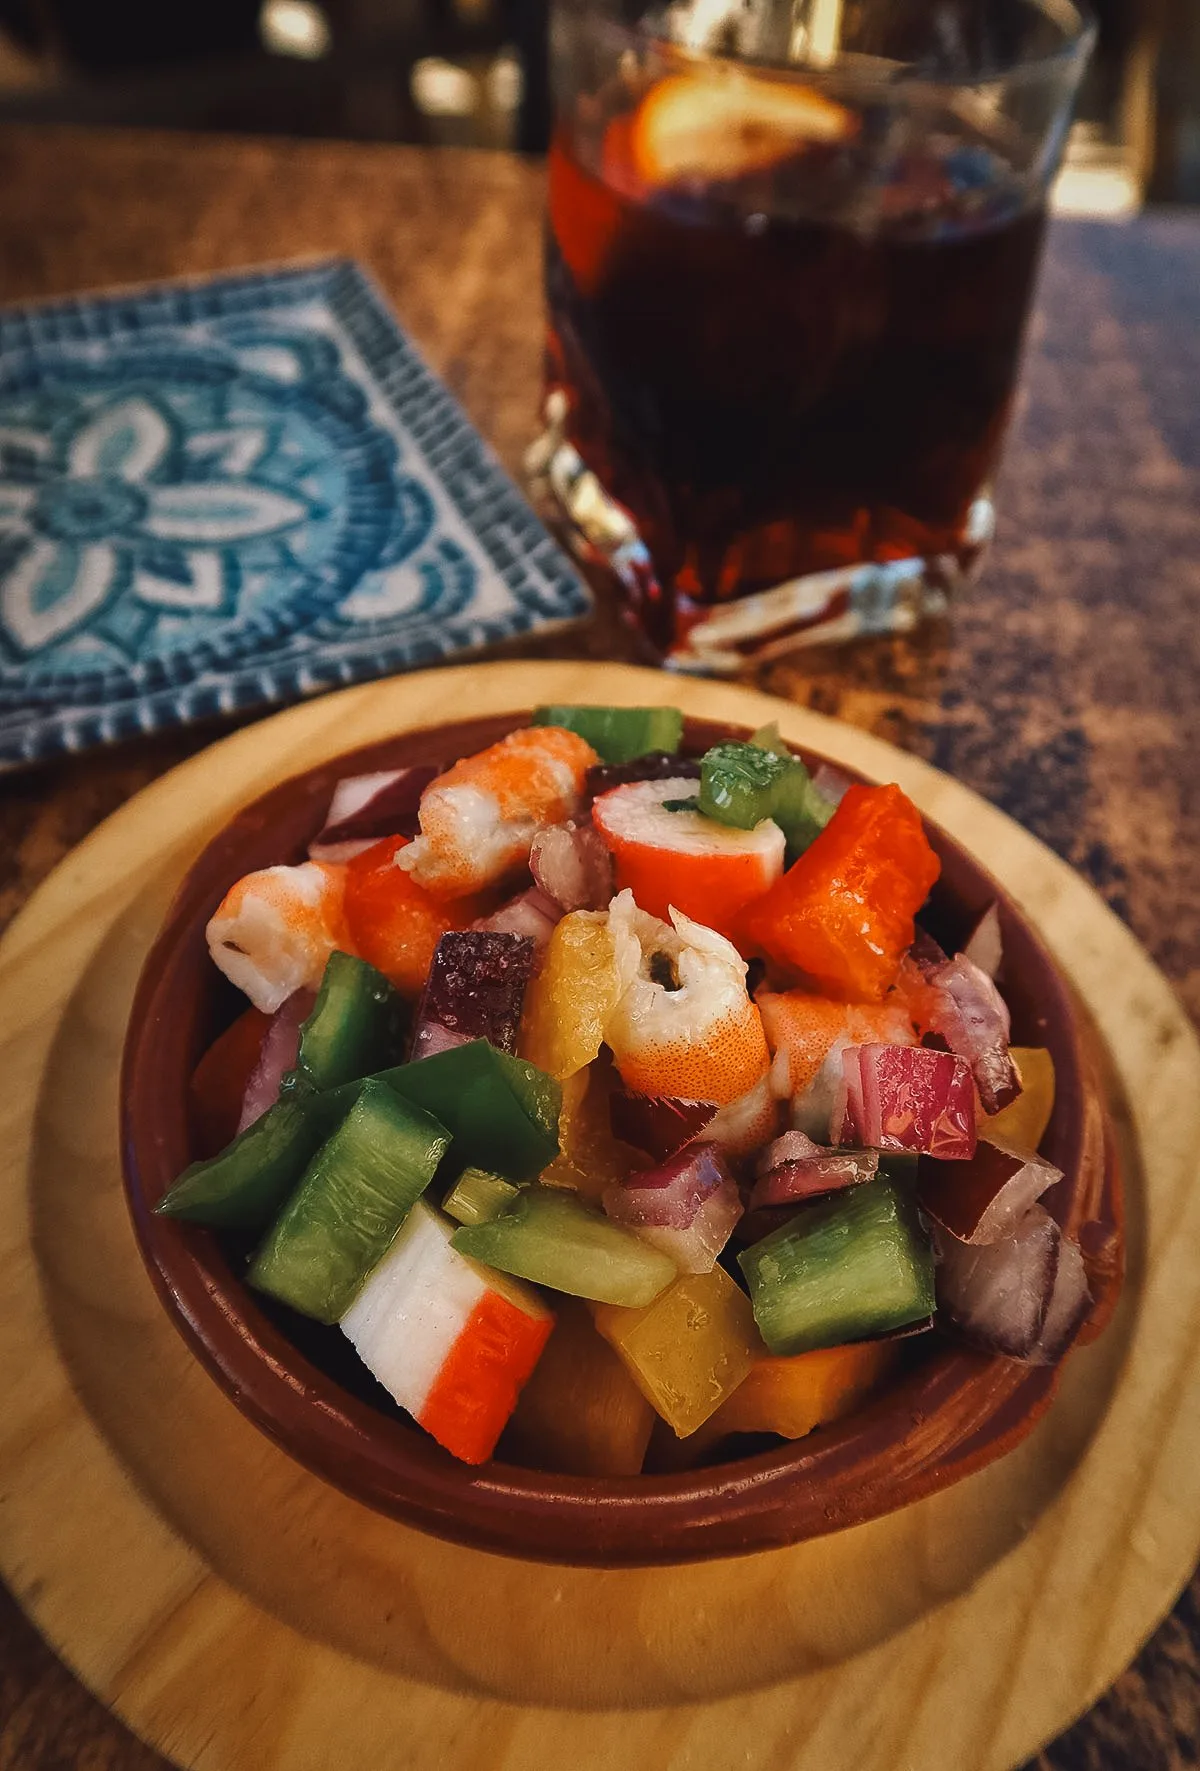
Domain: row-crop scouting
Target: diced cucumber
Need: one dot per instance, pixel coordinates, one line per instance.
(351, 1201)
(356, 1025)
(854, 1266)
(477, 1196)
(501, 1111)
(618, 734)
(246, 1183)
(741, 784)
(768, 738)
(553, 1238)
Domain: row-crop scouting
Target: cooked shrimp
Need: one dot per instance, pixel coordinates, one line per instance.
(802, 1030)
(683, 1024)
(479, 819)
(273, 931)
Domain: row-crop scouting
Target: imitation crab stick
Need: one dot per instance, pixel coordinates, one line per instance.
(683, 860)
(273, 931)
(451, 1341)
(683, 1024)
(843, 914)
(479, 819)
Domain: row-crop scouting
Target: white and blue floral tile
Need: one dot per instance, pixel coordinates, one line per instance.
(224, 494)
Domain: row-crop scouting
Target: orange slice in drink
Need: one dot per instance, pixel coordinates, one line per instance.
(718, 124)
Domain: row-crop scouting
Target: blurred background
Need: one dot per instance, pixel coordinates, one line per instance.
(472, 73)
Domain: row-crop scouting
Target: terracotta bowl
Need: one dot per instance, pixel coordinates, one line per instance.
(949, 1412)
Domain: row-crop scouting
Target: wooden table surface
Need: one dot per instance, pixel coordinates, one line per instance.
(1066, 688)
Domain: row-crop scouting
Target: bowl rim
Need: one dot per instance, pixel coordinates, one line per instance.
(953, 1414)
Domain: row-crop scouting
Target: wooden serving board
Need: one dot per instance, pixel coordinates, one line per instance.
(241, 1616)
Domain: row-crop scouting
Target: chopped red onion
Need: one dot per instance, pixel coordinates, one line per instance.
(573, 867)
(1000, 1293)
(475, 989)
(658, 1124)
(985, 947)
(984, 1199)
(908, 1098)
(831, 784)
(532, 914)
(687, 1206)
(972, 1017)
(825, 1171)
(277, 1055)
(367, 807)
(1068, 1307)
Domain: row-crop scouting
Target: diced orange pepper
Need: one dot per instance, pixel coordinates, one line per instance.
(220, 1078)
(842, 915)
(793, 1395)
(395, 924)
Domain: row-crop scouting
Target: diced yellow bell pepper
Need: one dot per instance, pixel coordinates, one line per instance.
(689, 1349)
(568, 1004)
(1022, 1124)
(580, 1413)
(589, 1157)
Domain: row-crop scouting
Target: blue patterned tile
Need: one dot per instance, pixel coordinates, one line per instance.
(223, 494)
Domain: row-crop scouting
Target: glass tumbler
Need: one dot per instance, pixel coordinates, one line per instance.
(790, 252)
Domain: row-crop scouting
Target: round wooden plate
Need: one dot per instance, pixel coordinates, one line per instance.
(237, 1613)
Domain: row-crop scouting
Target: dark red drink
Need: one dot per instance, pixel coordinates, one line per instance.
(793, 365)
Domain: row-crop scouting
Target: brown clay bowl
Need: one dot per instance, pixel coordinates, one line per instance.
(951, 1411)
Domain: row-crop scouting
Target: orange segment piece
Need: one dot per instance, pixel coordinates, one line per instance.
(568, 1004)
(589, 1157)
(394, 923)
(717, 124)
(793, 1395)
(1022, 1124)
(580, 1413)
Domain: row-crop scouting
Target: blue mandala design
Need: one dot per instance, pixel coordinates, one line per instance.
(236, 492)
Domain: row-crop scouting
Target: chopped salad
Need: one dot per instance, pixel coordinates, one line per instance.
(598, 1093)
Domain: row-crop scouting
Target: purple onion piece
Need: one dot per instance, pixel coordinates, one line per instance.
(475, 989)
(532, 914)
(972, 1017)
(826, 1172)
(985, 948)
(985, 1198)
(658, 1124)
(1068, 1307)
(687, 1206)
(573, 867)
(656, 765)
(277, 1055)
(908, 1099)
(368, 807)
(790, 1146)
(998, 1293)
(831, 784)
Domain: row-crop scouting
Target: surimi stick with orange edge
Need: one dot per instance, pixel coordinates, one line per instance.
(451, 1341)
(683, 860)
(479, 819)
(683, 1024)
(273, 931)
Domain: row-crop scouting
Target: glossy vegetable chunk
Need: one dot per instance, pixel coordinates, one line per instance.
(351, 1201)
(219, 1081)
(356, 1024)
(618, 734)
(1022, 1124)
(687, 1206)
(568, 1005)
(245, 1185)
(857, 1265)
(449, 1341)
(394, 922)
(580, 1413)
(501, 1112)
(690, 1349)
(475, 989)
(908, 1099)
(553, 1238)
(793, 1395)
(477, 1196)
(741, 784)
(843, 913)
(592, 1157)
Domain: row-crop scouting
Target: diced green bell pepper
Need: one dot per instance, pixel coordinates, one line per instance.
(245, 1185)
(741, 784)
(501, 1112)
(477, 1196)
(854, 1266)
(356, 1025)
(618, 734)
(553, 1238)
(354, 1196)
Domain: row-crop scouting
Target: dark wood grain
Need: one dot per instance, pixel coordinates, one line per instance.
(1065, 688)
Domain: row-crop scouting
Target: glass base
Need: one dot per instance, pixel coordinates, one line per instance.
(822, 608)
